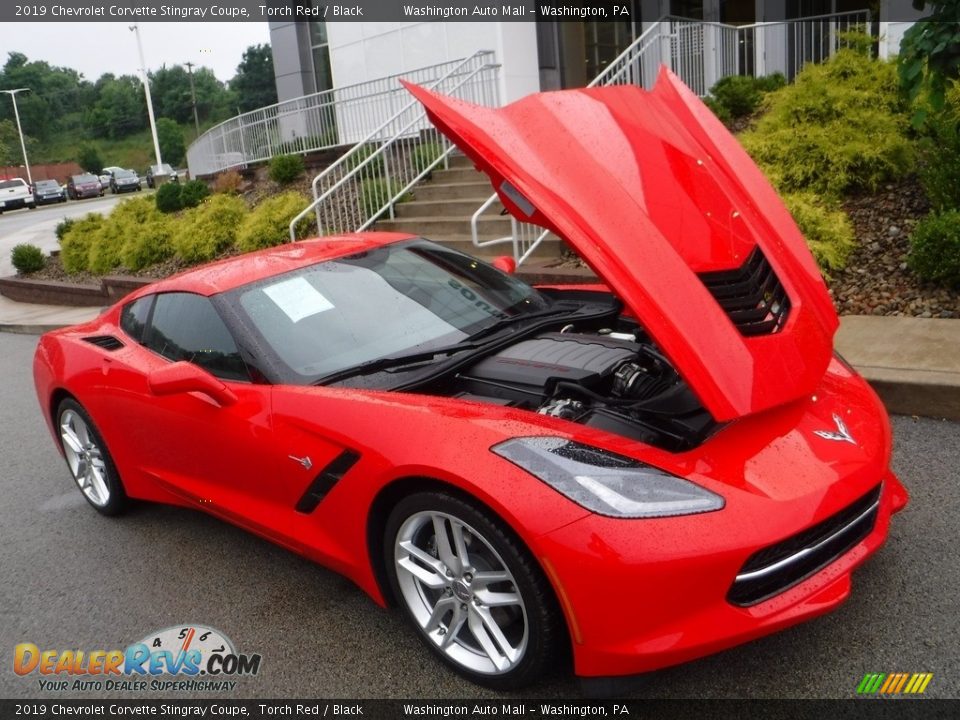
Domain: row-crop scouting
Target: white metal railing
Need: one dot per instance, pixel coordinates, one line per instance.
(332, 118)
(364, 184)
(701, 53)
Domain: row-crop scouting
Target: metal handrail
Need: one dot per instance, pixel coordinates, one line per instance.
(381, 151)
(319, 121)
(669, 28)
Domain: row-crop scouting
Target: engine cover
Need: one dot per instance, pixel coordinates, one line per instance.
(531, 367)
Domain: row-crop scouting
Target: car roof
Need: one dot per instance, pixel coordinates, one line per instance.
(233, 272)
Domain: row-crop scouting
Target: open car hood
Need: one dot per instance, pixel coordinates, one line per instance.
(665, 206)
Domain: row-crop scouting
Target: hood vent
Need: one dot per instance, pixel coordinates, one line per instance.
(107, 342)
(752, 295)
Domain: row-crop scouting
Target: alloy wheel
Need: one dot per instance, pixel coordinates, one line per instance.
(461, 593)
(85, 458)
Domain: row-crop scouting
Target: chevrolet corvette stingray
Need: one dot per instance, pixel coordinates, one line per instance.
(621, 476)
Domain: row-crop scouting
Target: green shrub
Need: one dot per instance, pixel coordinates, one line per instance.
(122, 226)
(150, 244)
(268, 224)
(719, 109)
(424, 154)
(827, 229)
(27, 258)
(740, 95)
(76, 241)
(205, 231)
(935, 248)
(193, 192)
(284, 169)
(840, 126)
(62, 227)
(939, 167)
(769, 83)
(375, 167)
(169, 197)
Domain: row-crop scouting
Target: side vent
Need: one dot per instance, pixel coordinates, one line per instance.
(325, 480)
(752, 295)
(107, 342)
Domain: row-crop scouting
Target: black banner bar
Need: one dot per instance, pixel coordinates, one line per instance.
(128, 11)
(855, 709)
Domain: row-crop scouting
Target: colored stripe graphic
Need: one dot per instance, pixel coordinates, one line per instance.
(894, 683)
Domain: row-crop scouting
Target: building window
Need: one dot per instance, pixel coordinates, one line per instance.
(320, 51)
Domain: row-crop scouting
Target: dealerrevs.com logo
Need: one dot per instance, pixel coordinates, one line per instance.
(185, 657)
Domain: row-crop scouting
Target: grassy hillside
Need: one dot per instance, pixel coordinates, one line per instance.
(133, 151)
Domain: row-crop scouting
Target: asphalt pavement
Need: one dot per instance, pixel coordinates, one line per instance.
(75, 580)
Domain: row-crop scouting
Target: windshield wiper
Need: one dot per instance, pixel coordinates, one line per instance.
(557, 309)
(394, 361)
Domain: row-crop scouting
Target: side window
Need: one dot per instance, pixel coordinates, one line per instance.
(133, 317)
(187, 327)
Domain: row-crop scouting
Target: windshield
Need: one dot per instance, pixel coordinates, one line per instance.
(48, 184)
(85, 179)
(391, 301)
(4, 184)
(122, 174)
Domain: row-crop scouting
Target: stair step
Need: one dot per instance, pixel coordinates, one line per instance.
(440, 226)
(444, 208)
(478, 191)
(459, 161)
(458, 174)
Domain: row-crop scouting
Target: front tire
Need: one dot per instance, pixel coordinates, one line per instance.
(89, 459)
(472, 591)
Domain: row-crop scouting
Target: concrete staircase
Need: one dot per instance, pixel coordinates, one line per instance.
(442, 207)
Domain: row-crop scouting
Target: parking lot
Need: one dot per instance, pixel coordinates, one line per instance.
(76, 580)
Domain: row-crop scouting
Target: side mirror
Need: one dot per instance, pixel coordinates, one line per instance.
(184, 377)
(505, 263)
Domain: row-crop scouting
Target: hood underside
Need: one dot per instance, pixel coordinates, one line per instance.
(664, 205)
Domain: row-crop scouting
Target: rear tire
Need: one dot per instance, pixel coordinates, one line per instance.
(89, 459)
(471, 589)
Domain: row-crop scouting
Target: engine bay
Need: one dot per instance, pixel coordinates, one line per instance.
(617, 381)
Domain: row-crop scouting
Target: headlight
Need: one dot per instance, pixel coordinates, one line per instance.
(606, 483)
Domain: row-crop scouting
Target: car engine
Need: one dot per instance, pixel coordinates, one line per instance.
(615, 381)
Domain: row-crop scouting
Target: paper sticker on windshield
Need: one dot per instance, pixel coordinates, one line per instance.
(298, 298)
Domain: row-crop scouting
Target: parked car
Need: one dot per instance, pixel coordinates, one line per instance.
(633, 474)
(84, 186)
(111, 169)
(124, 181)
(48, 191)
(15, 193)
(104, 181)
(159, 174)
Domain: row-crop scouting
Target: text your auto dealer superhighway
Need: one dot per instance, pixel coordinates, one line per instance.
(145, 11)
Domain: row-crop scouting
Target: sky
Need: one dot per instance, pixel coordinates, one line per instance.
(94, 48)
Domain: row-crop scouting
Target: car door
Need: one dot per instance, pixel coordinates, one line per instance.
(221, 457)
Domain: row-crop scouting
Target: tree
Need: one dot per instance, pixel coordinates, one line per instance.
(254, 84)
(929, 60)
(56, 94)
(170, 137)
(120, 109)
(89, 159)
(10, 151)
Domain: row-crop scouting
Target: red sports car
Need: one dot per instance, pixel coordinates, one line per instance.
(631, 474)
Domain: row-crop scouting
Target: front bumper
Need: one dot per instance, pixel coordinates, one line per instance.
(633, 614)
(16, 203)
(640, 595)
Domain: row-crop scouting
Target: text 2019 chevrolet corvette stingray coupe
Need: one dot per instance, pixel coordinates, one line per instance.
(629, 475)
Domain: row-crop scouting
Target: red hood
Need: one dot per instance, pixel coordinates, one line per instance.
(655, 195)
